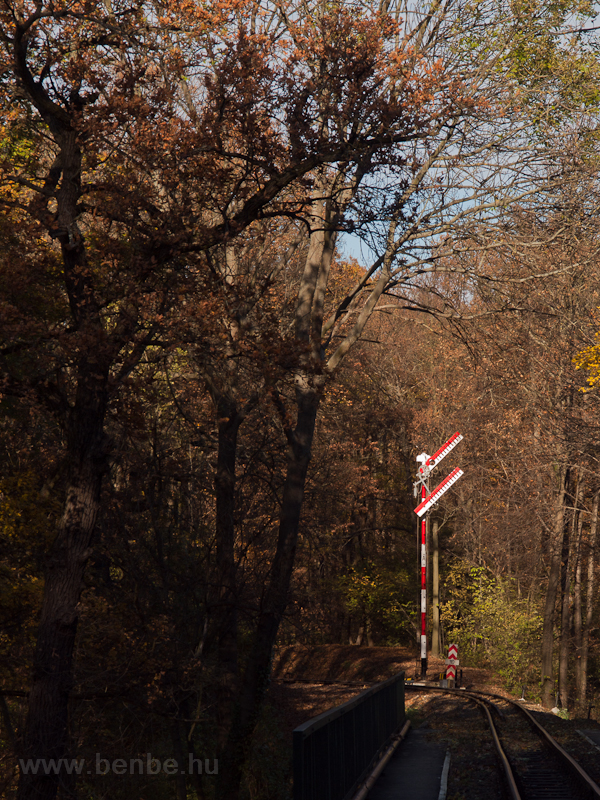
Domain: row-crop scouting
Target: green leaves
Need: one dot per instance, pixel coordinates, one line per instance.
(379, 592)
(491, 624)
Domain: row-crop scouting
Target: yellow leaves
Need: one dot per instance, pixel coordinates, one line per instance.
(24, 511)
(589, 359)
(26, 523)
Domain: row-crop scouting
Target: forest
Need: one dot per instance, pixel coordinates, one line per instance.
(255, 256)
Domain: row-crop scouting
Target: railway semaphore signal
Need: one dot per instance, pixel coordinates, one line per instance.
(427, 464)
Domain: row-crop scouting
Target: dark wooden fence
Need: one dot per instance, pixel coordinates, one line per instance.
(335, 751)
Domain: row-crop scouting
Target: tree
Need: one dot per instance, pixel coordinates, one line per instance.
(100, 128)
(528, 509)
(148, 139)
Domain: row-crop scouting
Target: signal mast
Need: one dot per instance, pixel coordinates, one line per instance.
(427, 464)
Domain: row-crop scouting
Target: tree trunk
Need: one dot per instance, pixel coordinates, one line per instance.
(46, 726)
(225, 583)
(256, 676)
(577, 619)
(369, 632)
(180, 780)
(552, 592)
(585, 645)
(568, 566)
(565, 592)
(229, 424)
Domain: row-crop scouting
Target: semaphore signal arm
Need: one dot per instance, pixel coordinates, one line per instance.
(427, 462)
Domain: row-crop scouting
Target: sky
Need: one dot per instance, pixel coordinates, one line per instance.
(351, 246)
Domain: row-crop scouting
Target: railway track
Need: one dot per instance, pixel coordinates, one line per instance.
(533, 763)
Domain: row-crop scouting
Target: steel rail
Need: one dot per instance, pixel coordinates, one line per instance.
(508, 773)
(586, 782)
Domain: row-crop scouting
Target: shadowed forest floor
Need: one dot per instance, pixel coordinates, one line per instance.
(307, 681)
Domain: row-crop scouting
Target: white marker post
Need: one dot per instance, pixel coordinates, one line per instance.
(427, 501)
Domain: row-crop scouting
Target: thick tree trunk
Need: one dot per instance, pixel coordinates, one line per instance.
(257, 671)
(552, 592)
(46, 726)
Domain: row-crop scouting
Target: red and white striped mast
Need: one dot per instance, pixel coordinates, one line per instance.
(427, 464)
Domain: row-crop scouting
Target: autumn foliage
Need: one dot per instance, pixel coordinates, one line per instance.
(209, 414)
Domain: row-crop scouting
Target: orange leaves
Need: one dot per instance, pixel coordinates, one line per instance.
(203, 18)
(213, 114)
(346, 68)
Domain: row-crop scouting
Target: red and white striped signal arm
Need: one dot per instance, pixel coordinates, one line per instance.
(444, 450)
(431, 499)
(429, 462)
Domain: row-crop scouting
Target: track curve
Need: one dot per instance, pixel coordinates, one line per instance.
(532, 767)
